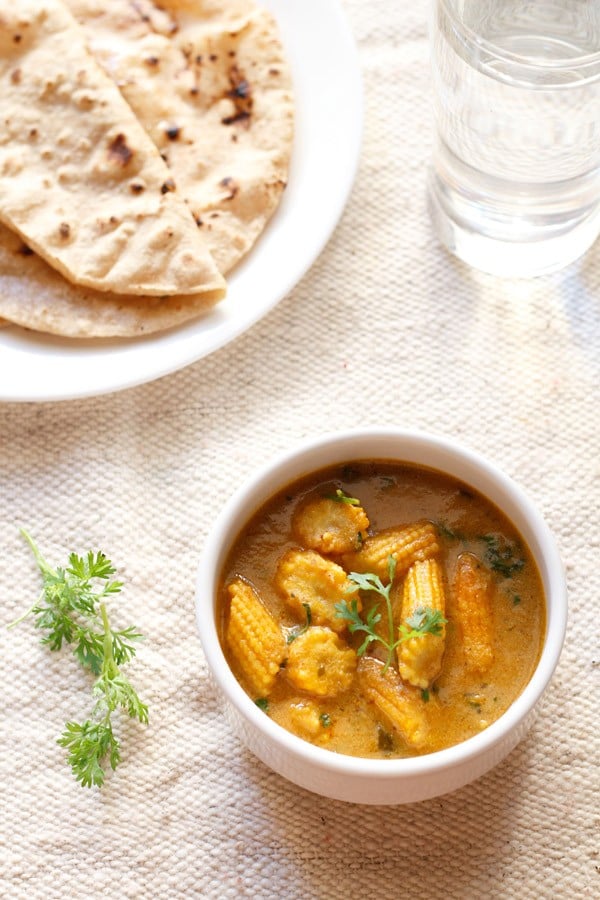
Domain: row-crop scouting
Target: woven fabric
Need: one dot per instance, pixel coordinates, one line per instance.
(385, 329)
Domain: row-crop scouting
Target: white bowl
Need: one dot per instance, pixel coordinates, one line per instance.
(381, 781)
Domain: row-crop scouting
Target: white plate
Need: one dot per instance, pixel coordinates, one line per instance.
(328, 95)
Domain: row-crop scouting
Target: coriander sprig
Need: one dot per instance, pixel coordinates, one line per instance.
(71, 609)
(70, 595)
(423, 621)
(89, 744)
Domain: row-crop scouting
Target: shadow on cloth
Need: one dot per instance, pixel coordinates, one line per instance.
(440, 847)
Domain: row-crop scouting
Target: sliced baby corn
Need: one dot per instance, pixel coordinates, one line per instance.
(331, 525)
(420, 658)
(320, 663)
(309, 721)
(305, 577)
(254, 638)
(401, 705)
(472, 607)
(406, 545)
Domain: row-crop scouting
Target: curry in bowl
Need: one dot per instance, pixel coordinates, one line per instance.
(381, 610)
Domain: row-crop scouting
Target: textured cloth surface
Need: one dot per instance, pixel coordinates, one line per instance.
(386, 329)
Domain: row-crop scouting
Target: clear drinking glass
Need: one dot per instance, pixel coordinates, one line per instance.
(515, 182)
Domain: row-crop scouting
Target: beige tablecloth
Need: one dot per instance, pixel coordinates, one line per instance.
(386, 329)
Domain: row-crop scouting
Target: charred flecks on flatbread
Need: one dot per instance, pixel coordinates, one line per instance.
(70, 149)
(209, 82)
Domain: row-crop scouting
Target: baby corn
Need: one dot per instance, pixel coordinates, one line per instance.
(420, 658)
(401, 705)
(330, 526)
(305, 577)
(472, 595)
(254, 638)
(406, 545)
(320, 663)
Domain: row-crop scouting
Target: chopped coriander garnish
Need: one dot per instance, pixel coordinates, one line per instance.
(300, 630)
(385, 740)
(516, 599)
(475, 701)
(449, 534)
(503, 556)
(341, 496)
(262, 703)
(325, 720)
(425, 695)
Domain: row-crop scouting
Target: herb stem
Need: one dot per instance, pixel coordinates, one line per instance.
(391, 644)
(108, 652)
(24, 616)
(42, 564)
(109, 666)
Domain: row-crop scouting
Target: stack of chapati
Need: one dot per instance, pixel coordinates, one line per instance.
(143, 148)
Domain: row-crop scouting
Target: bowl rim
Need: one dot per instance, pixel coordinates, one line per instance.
(270, 478)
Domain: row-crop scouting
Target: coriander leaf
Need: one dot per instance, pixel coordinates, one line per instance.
(502, 556)
(89, 650)
(423, 621)
(368, 581)
(298, 631)
(122, 648)
(365, 581)
(373, 617)
(262, 703)
(450, 534)
(115, 691)
(57, 623)
(350, 613)
(91, 566)
(325, 720)
(87, 745)
(366, 643)
(341, 496)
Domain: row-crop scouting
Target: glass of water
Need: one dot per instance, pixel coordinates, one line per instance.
(515, 181)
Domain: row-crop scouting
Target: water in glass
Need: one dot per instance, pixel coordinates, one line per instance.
(515, 181)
